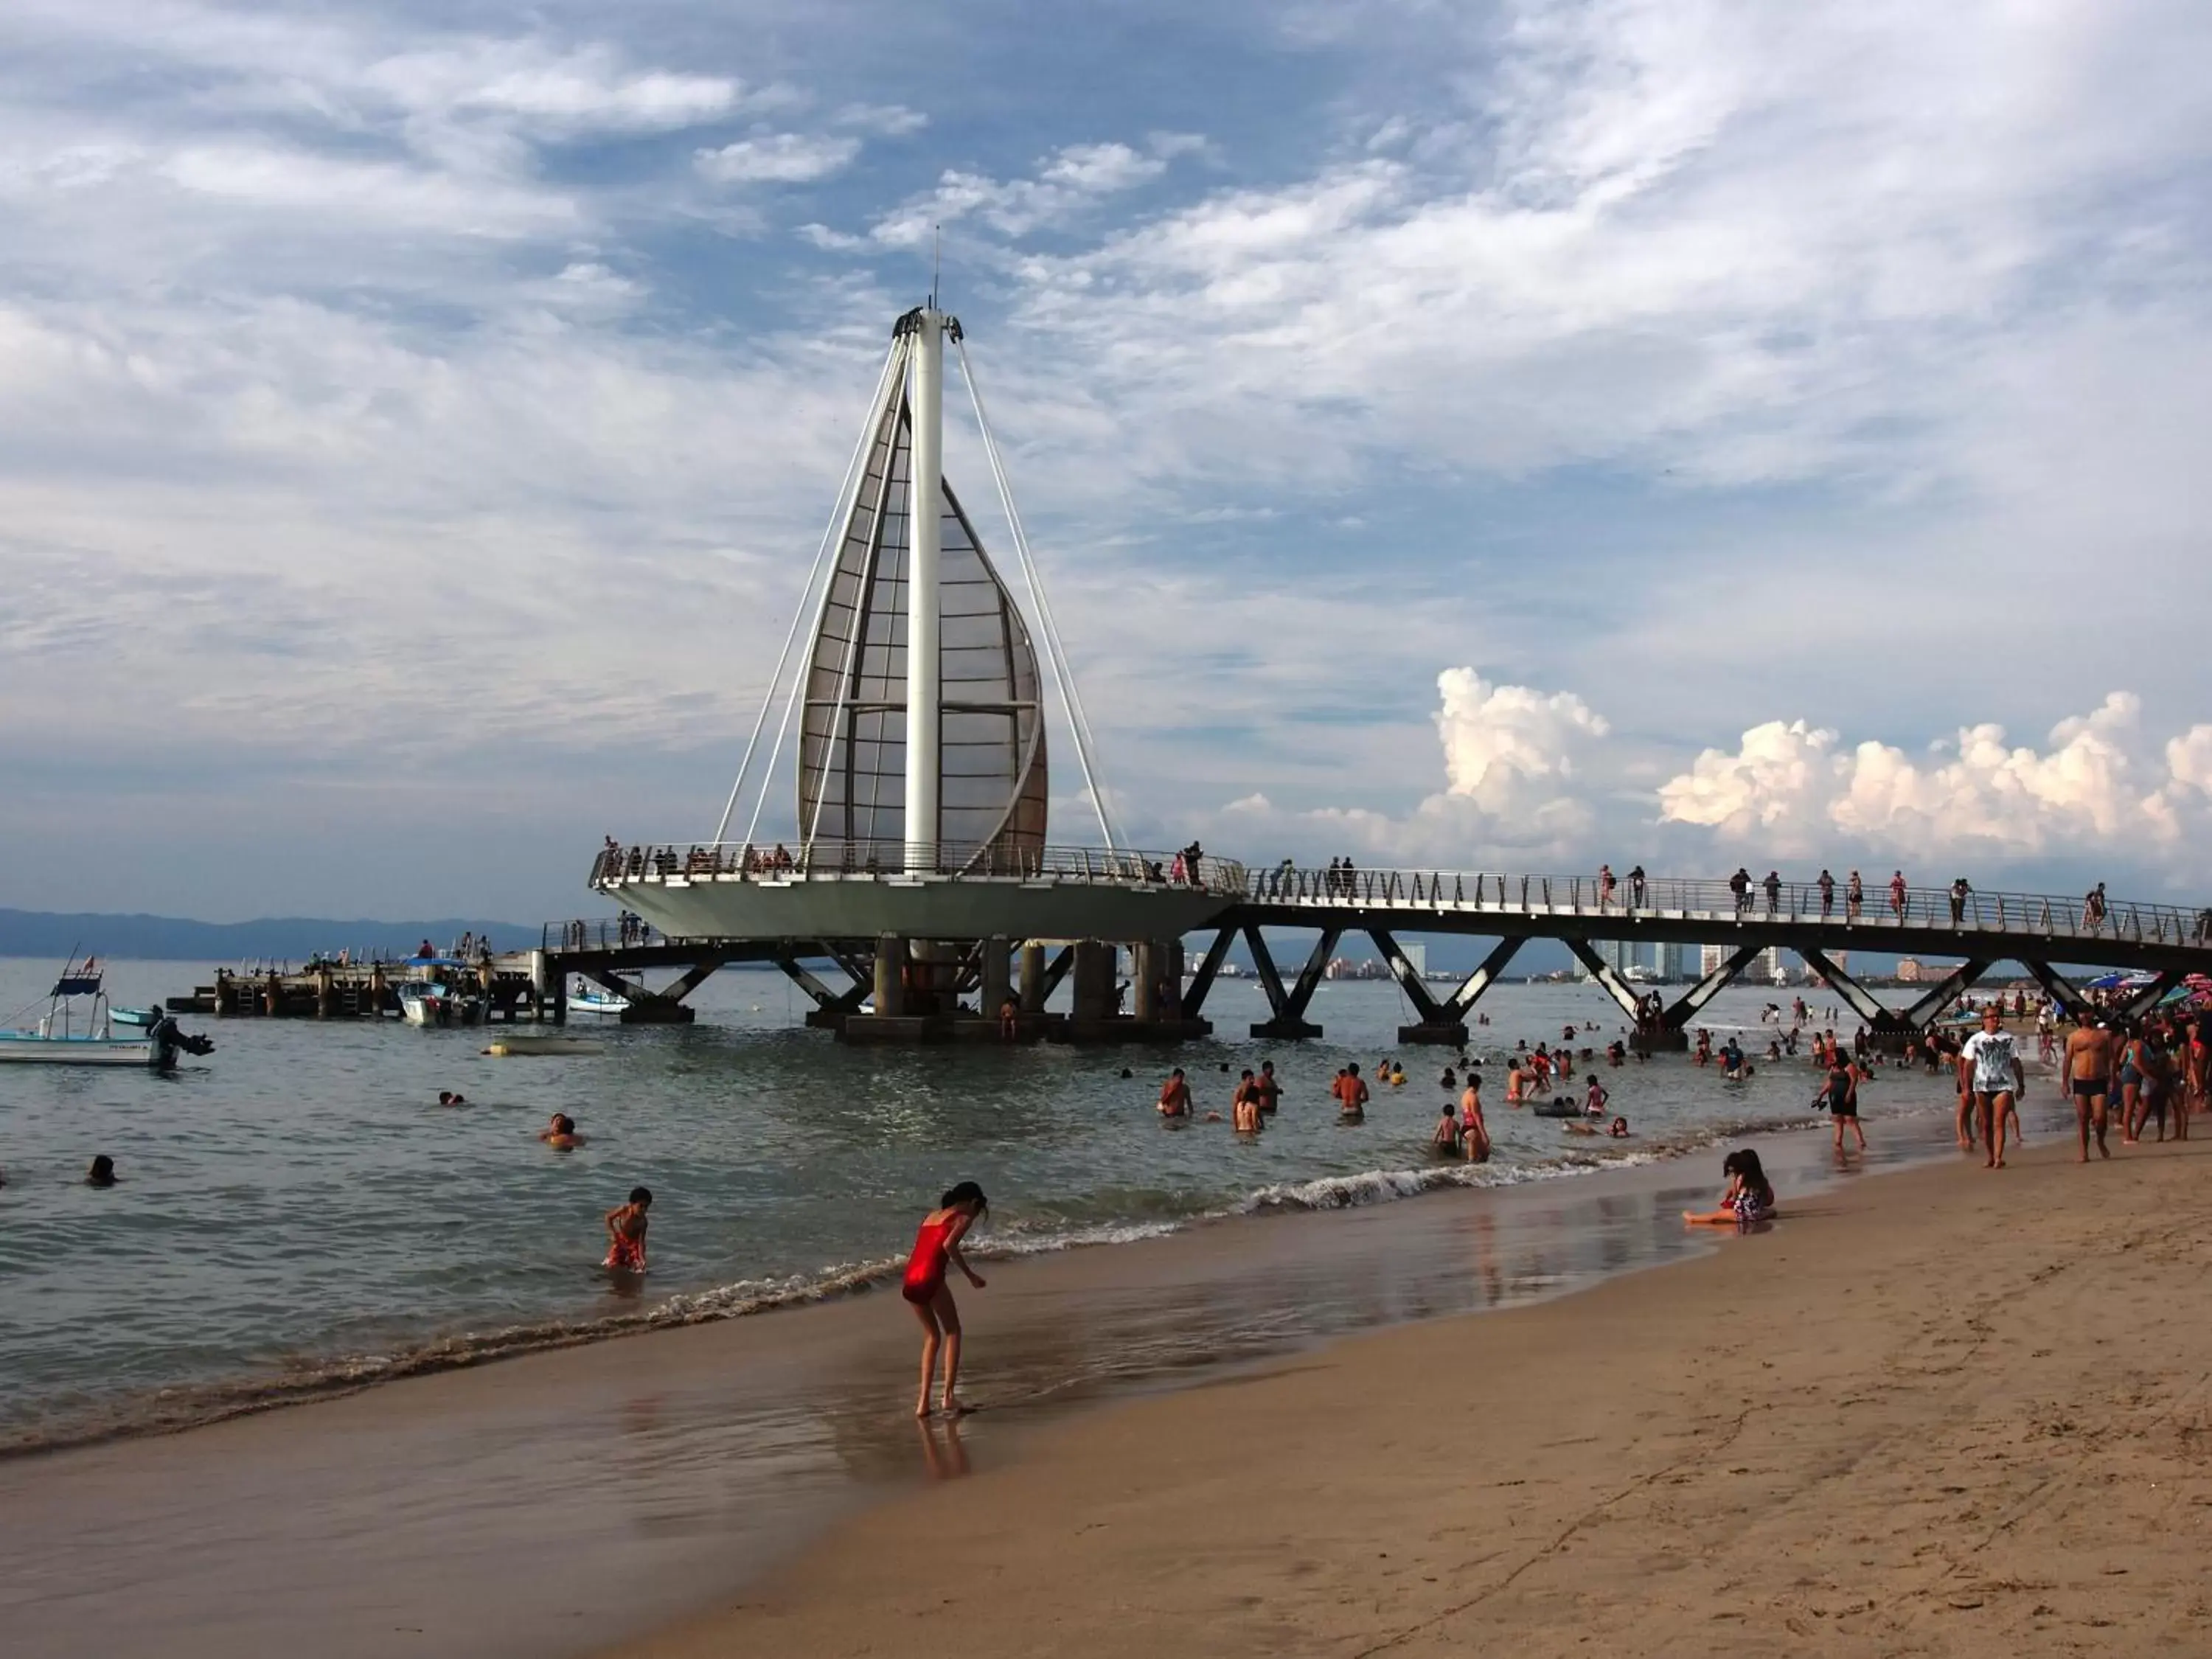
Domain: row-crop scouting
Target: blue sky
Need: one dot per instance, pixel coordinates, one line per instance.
(1515, 435)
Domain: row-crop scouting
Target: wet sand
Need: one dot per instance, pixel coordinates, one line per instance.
(1950, 1412)
(554, 1505)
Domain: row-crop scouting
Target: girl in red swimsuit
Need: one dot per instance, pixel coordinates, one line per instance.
(936, 1246)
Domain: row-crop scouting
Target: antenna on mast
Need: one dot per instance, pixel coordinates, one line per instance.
(936, 261)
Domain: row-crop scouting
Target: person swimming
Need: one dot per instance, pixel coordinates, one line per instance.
(1618, 1130)
(936, 1247)
(626, 1233)
(447, 1097)
(102, 1172)
(560, 1134)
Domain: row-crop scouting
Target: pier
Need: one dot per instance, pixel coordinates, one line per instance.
(925, 901)
(714, 902)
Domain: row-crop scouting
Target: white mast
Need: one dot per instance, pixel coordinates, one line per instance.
(926, 501)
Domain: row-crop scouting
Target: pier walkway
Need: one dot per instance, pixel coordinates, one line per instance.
(719, 904)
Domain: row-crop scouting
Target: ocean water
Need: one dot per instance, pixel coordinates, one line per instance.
(298, 1213)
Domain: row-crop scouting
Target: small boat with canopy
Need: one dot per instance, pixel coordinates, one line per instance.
(80, 1028)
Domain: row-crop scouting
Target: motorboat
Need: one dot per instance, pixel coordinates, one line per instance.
(587, 997)
(434, 1002)
(80, 1028)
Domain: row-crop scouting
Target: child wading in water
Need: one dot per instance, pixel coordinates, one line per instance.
(1749, 1197)
(936, 1246)
(626, 1233)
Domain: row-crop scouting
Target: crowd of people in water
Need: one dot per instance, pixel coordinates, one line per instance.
(2151, 1071)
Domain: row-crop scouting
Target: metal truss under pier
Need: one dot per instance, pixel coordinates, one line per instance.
(913, 941)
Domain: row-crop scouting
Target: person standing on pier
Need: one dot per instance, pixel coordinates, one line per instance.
(1897, 894)
(1854, 897)
(1740, 884)
(2092, 907)
(1774, 886)
(1827, 886)
(1959, 892)
(1635, 887)
(1604, 886)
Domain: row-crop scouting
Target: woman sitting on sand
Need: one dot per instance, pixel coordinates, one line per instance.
(560, 1134)
(1749, 1197)
(937, 1246)
(626, 1233)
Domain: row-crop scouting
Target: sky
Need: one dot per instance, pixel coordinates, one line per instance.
(1511, 436)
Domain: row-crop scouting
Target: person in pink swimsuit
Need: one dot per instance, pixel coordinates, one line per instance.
(936, 1247)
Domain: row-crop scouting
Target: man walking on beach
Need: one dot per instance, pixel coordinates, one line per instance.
(2086, 1073)
(1989, 1064)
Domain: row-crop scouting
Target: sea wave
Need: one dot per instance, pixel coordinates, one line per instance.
(172, 1410)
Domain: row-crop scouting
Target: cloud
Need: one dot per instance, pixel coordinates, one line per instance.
(884, 120)
(781, 158)
(1528, 772)
(1066, 183)
(2098, 784)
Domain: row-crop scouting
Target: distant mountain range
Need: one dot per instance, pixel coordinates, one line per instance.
(173, 939)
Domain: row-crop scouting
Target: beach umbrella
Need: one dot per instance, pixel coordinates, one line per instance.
(2107, 982)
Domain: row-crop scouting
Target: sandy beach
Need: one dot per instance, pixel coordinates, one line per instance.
(1947, 1412)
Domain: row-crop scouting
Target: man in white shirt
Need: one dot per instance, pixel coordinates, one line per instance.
(1990, 1066)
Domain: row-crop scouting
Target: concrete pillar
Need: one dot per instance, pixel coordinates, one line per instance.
(997, 977)
(1032, 978)
(1094, 979)
(1143, 980)
(891, 977)
(1170, 952)
(537, 986)
(324, 986)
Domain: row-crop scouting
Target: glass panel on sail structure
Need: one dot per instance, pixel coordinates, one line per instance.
(851, 780)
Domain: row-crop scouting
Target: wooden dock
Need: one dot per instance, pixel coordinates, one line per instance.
(361, 991)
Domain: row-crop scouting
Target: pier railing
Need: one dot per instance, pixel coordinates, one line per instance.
(723, 860)
(1917, 909)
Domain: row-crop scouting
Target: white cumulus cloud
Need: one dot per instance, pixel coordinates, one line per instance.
(779, 158)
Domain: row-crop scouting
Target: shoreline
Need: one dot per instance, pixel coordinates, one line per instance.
(725, 1446)
(1955, 1412)
(185, 1408)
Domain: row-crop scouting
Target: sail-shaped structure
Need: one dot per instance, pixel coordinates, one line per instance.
(853, 765)
(916, 710)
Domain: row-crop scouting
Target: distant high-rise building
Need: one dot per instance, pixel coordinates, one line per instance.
(1618, 954)
(1417, 953)
(1766, 966)
(1711, 958)
(1670, 963)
